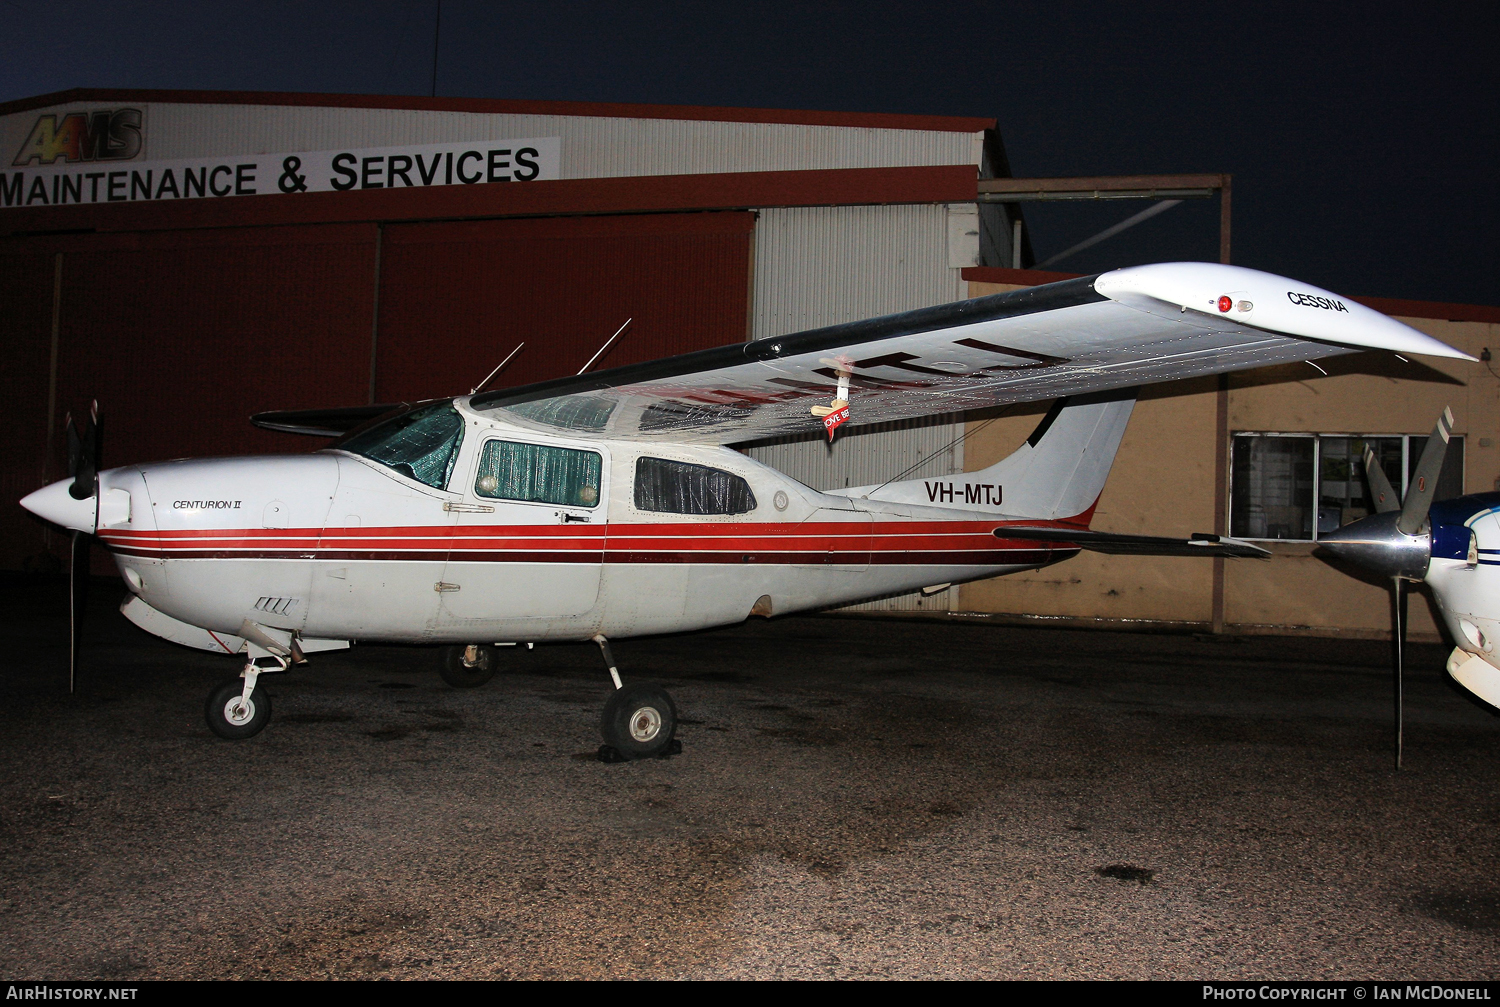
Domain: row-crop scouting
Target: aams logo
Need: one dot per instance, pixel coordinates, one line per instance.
(1314, 301)
(104, 135)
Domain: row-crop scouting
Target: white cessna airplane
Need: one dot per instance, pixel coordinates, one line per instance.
(607, 504)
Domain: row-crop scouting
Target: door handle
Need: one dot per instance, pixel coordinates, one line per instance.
(575, 519)
(467, 508)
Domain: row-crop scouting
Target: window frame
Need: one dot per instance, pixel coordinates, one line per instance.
(455, 457)
(472, 490)
(1317, 468)
(661, 456)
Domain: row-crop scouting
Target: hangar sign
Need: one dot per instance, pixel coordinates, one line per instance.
(100, 135)
(464, 163)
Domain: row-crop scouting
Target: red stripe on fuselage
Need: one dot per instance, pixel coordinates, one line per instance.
(801, 543)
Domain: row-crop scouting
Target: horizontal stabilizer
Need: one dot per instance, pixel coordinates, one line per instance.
(1135, 545)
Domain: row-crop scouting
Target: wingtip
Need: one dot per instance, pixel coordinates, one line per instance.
(1274, 303)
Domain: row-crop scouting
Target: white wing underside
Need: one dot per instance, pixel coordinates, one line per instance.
(1130, 327)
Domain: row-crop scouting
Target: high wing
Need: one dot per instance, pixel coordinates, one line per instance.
(1127, 327)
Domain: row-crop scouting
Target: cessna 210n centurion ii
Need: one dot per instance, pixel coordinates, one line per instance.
(609, 504)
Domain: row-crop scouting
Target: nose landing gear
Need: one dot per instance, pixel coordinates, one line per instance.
(639, 719)
(238, 708)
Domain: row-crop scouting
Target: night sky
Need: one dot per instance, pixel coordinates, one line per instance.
(1362, 138)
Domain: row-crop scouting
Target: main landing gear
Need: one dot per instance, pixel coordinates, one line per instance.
(468, 667)
(639, 720)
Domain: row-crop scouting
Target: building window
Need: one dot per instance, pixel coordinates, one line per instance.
(1294, 487)
(682, 488)
(537, 473)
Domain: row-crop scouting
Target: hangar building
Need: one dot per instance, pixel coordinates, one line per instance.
(380, 259)
(189, 258)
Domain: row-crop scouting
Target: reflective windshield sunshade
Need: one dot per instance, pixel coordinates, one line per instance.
(684, 488)
(422, 444)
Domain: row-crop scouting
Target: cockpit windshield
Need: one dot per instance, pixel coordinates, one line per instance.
(421, 444)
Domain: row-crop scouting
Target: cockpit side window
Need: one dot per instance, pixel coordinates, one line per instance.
(422, 444)
(672, 487)
(538, 473)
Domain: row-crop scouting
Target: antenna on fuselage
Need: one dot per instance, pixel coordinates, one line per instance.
(606, 346)
(498, 369)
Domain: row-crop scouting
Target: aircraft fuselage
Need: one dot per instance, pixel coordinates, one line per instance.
(334, 547)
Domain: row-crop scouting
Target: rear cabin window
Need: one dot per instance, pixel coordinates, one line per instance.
(670, 487)
(421, 444)
(538, 473)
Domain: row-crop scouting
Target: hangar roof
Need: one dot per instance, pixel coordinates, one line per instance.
(595, 158)
(613, 110)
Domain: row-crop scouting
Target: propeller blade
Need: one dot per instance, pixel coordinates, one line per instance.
(84, 452)
(1424, 479)
(1380, 487)
(96, 436)
(78, 582)
(75, 445)
(1399, 643)
(84, 463)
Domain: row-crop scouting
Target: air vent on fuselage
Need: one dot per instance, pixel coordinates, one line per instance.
(277, 606)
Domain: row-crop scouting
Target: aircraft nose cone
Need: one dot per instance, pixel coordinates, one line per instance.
(1376, 544)
(54, 503)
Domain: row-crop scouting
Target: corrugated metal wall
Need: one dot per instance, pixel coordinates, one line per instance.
(826, 265)
(817, 266)
(25, 351)
(592, 147)
(455, 298)
(181, 336)
(913, 449)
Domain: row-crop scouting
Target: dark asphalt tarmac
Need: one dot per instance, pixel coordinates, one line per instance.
(856, 797)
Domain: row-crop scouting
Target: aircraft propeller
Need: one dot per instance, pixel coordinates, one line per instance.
(83, 466)
(1396, 541)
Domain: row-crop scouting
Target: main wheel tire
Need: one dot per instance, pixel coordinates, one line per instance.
(229, 718)
(639, 721)
(462, 674)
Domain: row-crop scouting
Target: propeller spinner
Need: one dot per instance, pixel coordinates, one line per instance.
(1396, 541)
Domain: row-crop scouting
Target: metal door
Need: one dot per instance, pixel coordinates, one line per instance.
(522, 559)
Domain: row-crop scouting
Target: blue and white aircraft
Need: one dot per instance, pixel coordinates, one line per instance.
(1452, 545)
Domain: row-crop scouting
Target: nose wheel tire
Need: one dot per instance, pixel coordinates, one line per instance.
(468, 667)
(230, 716)
(639, 721)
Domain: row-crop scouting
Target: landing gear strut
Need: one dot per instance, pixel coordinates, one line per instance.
(239, 709)
(639, 719)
